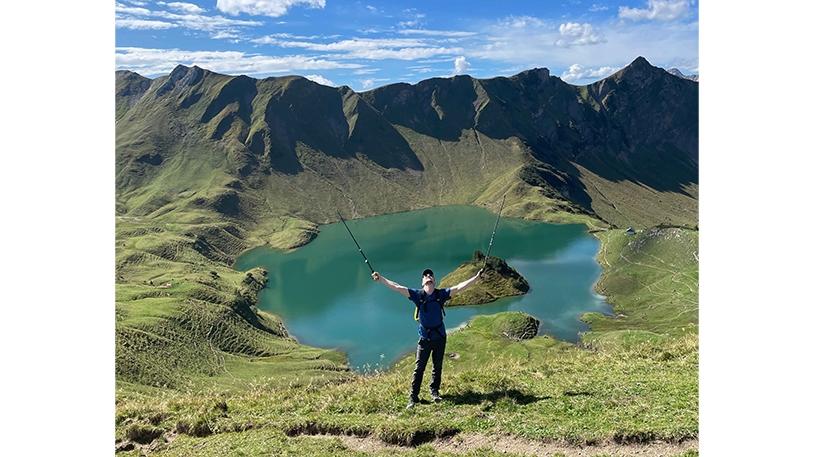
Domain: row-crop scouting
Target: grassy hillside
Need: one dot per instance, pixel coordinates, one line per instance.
(536, 390)
(652, 278)
(185, 319)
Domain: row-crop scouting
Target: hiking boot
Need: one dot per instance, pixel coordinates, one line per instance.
(436, 397)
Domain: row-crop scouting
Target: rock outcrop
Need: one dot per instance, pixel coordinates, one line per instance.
(498, 280)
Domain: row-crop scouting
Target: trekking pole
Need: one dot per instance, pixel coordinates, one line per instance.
(367, 262)
(492, 239)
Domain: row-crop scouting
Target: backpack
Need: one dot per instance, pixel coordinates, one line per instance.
(423, 298)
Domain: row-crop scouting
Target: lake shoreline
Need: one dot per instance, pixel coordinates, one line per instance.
(576, 340)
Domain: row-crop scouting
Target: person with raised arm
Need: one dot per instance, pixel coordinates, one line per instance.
(429, 313)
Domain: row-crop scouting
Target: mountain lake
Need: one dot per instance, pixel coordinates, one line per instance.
(325, 295)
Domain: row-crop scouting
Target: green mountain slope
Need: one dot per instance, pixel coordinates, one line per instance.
(247, 148)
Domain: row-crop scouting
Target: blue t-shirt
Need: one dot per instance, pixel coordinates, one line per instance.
(430, 318)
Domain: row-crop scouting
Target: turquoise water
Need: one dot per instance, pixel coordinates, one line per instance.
(326, 298)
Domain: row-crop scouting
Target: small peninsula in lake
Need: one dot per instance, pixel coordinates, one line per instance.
(498, 280)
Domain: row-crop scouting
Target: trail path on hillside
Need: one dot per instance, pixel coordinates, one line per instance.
(469, 442)
(675, 275)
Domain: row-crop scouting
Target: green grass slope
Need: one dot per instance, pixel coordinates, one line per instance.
(497, 381)
(185, 319)
(537, 389)
(652, 280)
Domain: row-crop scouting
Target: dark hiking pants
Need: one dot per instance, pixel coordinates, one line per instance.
(422, 355)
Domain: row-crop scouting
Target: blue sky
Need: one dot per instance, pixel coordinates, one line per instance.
(367, 44)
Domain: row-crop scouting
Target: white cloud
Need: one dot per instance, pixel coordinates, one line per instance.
(190, 21)
(319, 79)
(367, 84)
(576, 34)
(432, 61)
(413, 18)
(273, 8)
(122, 8)
(403, 54)
(190, 8)
(349, 45)
(421, 69)
(509, 39)
(143, 24)
(521, 22)
(209, 23)
(149, 62)
(528, 42)
(461, 65)
(444, 33)
(366, 71)
(597, 7)
(372, 9)
(273, 38)
(367, 48)
(576, 72)
(224, 35)
(661, 10)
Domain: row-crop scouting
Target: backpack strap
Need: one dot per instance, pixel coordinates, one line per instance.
(423, 298)
(435, 329)
(441, 302)
(422, 303)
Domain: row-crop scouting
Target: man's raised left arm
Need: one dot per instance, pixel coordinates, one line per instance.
(465, 284)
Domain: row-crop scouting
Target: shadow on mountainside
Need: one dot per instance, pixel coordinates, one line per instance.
(639, 124)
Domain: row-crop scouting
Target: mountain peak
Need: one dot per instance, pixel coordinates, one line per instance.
(538, 73)
(640, 62)
(639, 66)
(127, 72)
(179, 69)
(640, 70)
(182, 75)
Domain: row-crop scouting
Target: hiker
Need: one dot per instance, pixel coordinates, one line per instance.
(429, 303)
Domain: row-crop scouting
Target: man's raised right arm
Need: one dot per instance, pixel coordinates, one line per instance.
(390, 284)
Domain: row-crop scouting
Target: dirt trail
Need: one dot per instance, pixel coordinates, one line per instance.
(469, 442)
